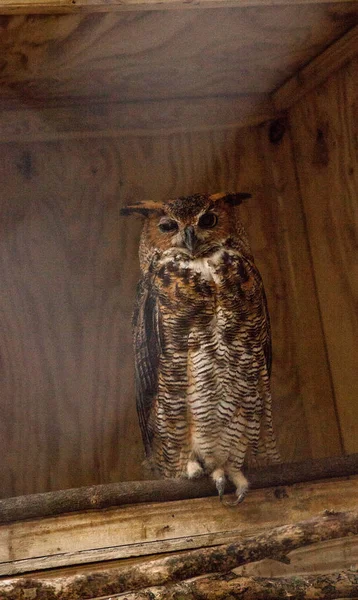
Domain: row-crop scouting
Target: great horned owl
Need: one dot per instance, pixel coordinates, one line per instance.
(202, 341)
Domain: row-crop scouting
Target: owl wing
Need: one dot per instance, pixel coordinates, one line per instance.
(147, 329)
(268, 340)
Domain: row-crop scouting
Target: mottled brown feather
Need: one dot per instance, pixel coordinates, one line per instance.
(202, 341)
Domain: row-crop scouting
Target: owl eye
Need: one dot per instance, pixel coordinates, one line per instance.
(168, 225)
(208, 220)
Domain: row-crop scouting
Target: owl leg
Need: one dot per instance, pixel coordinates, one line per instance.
(219, 479)
(194, 469)
(241, 484)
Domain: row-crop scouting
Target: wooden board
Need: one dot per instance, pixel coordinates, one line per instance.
(164, 54)
(324, 131)
(66, 263)
(68, 270)
(318, 70)
(115, 119)
(140, 530)
(309, 342)
(61, 6)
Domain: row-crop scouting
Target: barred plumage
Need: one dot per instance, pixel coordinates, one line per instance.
(202, 341)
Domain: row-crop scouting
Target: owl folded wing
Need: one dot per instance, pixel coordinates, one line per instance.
(263, 316)
(268, 341)
(148, 336)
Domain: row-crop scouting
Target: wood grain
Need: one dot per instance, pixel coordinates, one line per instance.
(145, 55)
(318, 70)
(115, 119)
(69, 268)
(313, 371)
(331, 586)
(146, 529)
(324, 131)
(66, 262)
(324, 557)
(71, 6)
(264, 224)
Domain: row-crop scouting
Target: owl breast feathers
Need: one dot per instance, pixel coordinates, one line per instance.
(202, 341)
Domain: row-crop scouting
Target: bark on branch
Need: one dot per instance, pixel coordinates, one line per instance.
(134, 492)
(319, 587)
(275, 543)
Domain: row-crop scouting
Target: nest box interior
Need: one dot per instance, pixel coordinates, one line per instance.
(103, 103)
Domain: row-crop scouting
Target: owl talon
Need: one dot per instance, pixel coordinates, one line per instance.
(220, 486)
(240, 498)
(219, 479)
(242, 487)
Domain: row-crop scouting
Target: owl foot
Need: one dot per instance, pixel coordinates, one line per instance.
(194, 469)
(220, 480)
(240, 498)
(242, 486)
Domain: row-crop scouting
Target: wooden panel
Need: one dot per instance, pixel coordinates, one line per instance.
(61, 6)
(324, 130)
(66, 265)
(263, 223)
(318, 70)
(164, 54)
(68, 272)
(315, 386)
(145, 529)
(114, 119)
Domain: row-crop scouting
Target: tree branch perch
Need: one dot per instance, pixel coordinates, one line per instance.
(134, 492)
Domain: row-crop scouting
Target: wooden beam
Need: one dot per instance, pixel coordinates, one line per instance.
(274, 543)
(62, 6)
(134, 492)
(146, 529)
(317, 71)
(93, 120)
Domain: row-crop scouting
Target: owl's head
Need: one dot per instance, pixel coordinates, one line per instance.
(194, 225)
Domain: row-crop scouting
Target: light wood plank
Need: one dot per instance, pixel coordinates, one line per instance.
(60, 6)
(318, 70)
(310, 352)
(109, 120)
(152, 528)
(324, 131)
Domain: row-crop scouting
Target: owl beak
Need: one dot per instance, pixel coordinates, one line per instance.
(190, 239)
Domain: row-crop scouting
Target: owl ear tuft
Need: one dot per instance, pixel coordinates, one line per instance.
(234, 199)
(145, 208)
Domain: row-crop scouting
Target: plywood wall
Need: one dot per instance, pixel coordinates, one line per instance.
(69, 266)
(324, 133)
